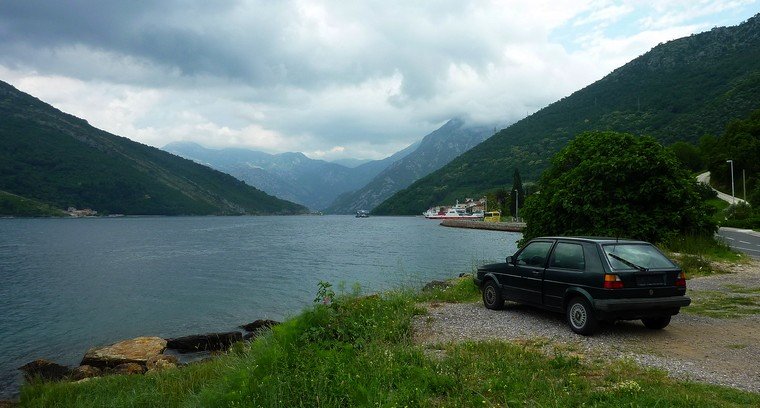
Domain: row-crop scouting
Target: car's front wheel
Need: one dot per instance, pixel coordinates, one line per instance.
(492, 298)
(580, 316)
(656, 323)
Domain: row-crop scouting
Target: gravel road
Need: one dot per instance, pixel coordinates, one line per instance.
(718, 351)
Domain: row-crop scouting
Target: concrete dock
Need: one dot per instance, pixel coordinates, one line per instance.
(493, 226)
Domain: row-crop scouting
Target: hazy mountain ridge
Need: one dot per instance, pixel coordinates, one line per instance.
(58, 159)
(679, 90)
(292, 175)
(435, 150)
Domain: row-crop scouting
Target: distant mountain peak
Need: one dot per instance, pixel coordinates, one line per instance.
(291, 175)
(434, 150)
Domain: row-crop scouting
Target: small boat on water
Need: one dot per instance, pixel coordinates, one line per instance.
(362, 214)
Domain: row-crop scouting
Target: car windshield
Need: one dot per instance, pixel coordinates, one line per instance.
(636, 256)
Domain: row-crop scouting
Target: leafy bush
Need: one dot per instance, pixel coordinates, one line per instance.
(619, 185)
(741, 215)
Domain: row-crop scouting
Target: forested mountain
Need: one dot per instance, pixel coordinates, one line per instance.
(680, 90)
(435, 150)
(50, 157)
(292, 176)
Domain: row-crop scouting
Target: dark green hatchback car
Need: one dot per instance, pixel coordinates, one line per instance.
(589, 280)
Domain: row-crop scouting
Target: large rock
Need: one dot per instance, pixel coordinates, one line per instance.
(45, 370)
(85, 371)
(128, 369)
(259, 324)
(436, 284)
(137, 350)
(204, 342)
(161, 362)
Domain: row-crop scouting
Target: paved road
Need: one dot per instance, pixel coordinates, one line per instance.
(705, 178)
(746, 241)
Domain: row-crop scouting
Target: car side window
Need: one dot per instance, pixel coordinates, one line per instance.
(568, 256)
(534, 254)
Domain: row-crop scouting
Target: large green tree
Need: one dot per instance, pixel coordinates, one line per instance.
(617, 185)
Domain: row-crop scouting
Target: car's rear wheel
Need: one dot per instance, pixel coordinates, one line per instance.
(580, 316)
(656, 323)
(492, 298)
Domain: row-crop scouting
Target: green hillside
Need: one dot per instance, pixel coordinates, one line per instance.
(680, 90)
(13, 205)
(60, 160)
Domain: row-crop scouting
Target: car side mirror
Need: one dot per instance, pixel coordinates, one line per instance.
(510, 260)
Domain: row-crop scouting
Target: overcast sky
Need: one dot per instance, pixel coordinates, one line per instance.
(332, 79)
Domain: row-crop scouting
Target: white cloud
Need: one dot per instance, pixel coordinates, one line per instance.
(330, 78)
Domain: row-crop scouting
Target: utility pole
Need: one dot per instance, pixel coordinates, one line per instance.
(517, 206)
(733, 195)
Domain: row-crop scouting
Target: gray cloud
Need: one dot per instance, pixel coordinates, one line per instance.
(367, 77)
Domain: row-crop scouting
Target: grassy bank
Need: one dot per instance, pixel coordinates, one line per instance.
(358, 351)
(699, 255)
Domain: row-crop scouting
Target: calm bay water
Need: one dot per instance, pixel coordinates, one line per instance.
(69, 284)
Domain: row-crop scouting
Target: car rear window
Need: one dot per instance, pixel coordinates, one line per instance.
(643, 255)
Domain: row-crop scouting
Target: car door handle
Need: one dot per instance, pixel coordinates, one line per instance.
(536, 272)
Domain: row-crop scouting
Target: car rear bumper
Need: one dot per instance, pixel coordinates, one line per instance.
(637, 308)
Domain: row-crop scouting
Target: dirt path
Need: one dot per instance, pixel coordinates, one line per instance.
(719, 351)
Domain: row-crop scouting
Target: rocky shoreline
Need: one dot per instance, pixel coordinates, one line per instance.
(140, 355)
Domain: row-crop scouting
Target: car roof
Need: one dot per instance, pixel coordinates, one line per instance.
(598, 240)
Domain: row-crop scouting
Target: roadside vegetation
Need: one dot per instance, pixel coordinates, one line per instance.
(737, 301)
(349, 350)
(700, 255)
(740, 143)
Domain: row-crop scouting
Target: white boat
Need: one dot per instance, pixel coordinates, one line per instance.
(453, 213)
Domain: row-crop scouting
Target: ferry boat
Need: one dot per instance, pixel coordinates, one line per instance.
(452, 213)
(362, 214)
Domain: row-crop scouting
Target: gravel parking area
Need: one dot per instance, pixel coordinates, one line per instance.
(718, 351)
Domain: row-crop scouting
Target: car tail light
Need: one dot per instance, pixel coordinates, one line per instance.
(612, 282)
(681, 279)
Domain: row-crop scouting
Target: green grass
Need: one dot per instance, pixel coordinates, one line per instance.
(357, 351)
(698, 254)
(459, 290)
(697, 266)
(704, 246)
(738, 301)
(719, 209)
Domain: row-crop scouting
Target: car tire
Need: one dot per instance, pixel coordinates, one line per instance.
(492, 298)
(656, 323)
(580, 316)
